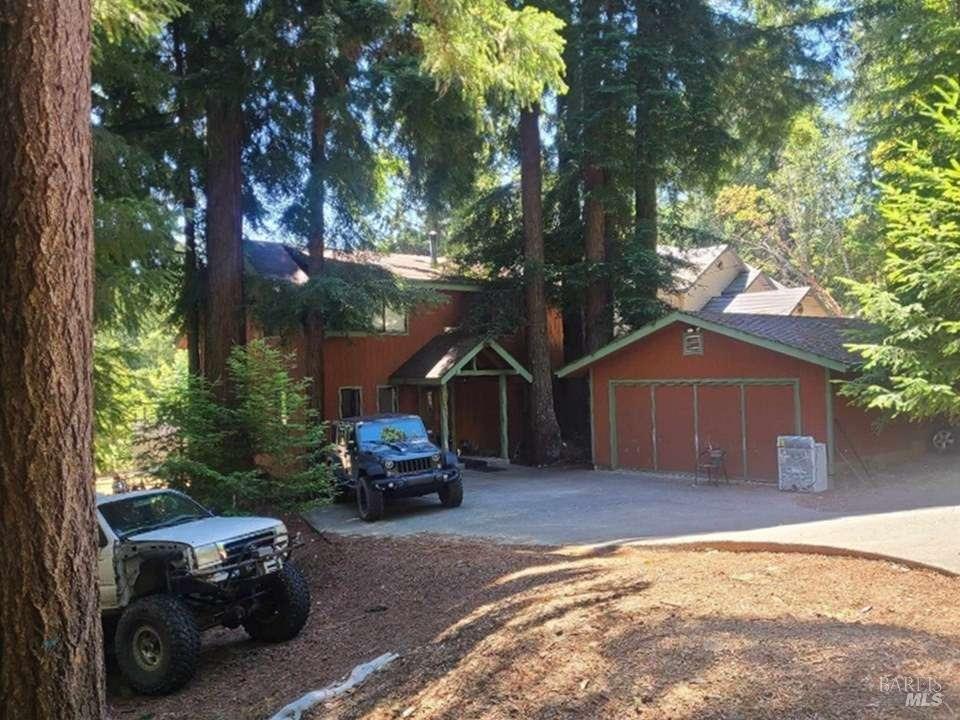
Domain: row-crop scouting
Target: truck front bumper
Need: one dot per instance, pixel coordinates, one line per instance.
(417, 483)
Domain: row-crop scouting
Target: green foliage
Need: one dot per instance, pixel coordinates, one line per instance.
(270, 421)
(347, 295)
(912, 362)
(131, 368)
(116, 20)
(486, 46)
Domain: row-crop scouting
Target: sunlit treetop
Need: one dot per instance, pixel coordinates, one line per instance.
(485, 46)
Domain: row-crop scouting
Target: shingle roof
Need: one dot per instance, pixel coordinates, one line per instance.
(765, 302)
(284, 262)
(818, 340)
(437, 357)
(273, 260)
(821, 336)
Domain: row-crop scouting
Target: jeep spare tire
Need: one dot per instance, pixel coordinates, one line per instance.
(451, 494)
(284, 608)
(157, 642)
(369, 500)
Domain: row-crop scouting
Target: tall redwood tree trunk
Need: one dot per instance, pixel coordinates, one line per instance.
(51, 664)
(224, 306)
(545, 431)
(645, 165)
(595, 251)
(317, 242)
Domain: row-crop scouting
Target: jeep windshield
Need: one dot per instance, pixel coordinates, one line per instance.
(142, 513)
(389, 432)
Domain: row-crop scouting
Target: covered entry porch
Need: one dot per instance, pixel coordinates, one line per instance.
(455, 378)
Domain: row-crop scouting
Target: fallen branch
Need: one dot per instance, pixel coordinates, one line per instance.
(295, 710)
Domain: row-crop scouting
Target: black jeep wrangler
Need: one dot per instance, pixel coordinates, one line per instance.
(390, 455)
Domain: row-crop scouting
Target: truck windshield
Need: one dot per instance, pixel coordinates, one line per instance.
(141, 513)
(392, 431)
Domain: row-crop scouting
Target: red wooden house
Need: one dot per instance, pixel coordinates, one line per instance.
(471, 391)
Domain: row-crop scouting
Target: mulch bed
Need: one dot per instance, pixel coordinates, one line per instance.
(496, 631)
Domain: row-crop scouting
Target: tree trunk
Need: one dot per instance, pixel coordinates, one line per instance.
(224, 306)
(314, 329)
(51, 663)
(594, 242)
(647, 75)
(190, 291)
(545, 431)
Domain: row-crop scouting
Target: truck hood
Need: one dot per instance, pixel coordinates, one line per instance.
(210, 530)
(405, 450)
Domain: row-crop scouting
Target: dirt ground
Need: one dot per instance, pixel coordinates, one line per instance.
(503, 632)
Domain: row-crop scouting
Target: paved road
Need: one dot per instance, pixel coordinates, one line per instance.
(918, 522)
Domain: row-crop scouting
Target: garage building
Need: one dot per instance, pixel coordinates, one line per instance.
(664, 393)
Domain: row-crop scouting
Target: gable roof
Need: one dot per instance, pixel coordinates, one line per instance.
(692, 262)
(818, 340)
(285, 262)
(437, 362)
(764, 302)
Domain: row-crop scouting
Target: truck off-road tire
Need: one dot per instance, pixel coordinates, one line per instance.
(157, 643)
(451, 494)
(370, 501)
(285, 609)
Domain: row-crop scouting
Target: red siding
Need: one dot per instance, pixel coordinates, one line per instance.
(769, 414)
(675, 447)
(719, 424)
(635, 420)
(659, 357)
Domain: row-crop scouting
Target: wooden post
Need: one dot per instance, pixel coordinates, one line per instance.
(504, 420)
(444, 419)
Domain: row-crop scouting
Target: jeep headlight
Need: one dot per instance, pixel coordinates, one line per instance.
(210, 555)
(389, 464)
(436, 459)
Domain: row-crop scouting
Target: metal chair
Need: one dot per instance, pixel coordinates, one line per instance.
(712, 461)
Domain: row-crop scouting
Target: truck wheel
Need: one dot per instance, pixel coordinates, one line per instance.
(369, 500)
(157, 642)
(285, 608)
(943, 441)
(451, 494)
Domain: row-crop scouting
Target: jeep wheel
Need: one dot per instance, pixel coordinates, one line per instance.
(157, 642)
(285, 608)
(944, 441)
(369, 500)
(451, 494)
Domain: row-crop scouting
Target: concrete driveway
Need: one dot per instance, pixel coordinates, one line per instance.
(916, 518)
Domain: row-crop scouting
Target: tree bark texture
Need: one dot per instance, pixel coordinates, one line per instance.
(645, 136)
(224, 305)
(188, 203)
(314, 329)
(594, 245)
(545, 431)
(51, 663)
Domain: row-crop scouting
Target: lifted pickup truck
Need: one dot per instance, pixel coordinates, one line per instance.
(169, 569)
(390, 455)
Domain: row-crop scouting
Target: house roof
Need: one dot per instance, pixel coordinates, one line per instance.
(818, 340)
(764, 302)
(692, 262)
(446, 355)
(285, 262)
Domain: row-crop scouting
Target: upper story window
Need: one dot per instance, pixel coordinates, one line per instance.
(388, 321)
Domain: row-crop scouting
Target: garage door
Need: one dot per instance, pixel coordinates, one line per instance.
(662, 426)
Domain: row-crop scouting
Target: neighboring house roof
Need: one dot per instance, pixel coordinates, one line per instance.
(691, 262)
(818, 340)
(284, 262)
(437, 362)
(767, 302)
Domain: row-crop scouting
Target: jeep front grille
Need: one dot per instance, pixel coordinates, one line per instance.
(243, 549)
(414, 466)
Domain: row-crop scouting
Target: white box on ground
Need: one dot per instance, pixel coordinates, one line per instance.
(802, 464)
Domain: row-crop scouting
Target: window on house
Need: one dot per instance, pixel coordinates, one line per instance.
(387, 399)
(350, 402)
(389, 321)
(693, 341)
